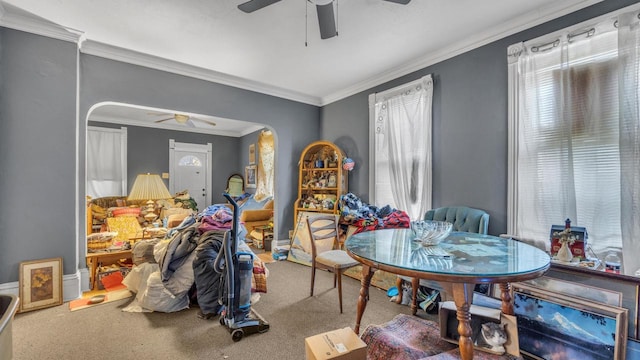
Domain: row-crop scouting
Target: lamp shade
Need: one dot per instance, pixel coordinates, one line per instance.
(149, 187)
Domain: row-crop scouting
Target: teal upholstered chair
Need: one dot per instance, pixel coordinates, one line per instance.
(463, 218)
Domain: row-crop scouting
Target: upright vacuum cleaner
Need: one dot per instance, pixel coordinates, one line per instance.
(236, 269)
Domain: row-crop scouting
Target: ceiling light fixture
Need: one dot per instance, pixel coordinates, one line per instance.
(182, 119)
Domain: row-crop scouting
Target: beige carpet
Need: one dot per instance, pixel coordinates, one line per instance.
(105, 332)
(266, 257)
(381, 279)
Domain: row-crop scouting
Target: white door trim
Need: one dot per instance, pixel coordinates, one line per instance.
(204, 149)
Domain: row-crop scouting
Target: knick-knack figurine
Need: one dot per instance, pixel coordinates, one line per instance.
(566, 238)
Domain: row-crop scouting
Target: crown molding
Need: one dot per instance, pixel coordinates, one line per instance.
(13, 18)
(559, 9)
(112, 52)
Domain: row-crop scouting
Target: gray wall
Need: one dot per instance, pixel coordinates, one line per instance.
(37, 151)
(108, 80)
(469, 123)
(40, 136)
(148, 152)
(42, 212)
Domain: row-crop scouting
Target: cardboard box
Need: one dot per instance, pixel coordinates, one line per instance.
(479, 314)
(341, 344)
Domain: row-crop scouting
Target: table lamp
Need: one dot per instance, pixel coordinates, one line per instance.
(149, 187)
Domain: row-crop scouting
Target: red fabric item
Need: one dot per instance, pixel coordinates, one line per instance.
(112, 280)
(395, 220)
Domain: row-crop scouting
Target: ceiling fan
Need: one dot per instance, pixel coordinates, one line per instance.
(185, 119)
(324, 8)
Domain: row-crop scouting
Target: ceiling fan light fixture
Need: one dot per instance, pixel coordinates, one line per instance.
(182, 119)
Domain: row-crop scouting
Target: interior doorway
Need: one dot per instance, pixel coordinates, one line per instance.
(190, 169)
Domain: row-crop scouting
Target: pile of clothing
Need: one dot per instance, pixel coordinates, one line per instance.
(366, 217)
(174, 272)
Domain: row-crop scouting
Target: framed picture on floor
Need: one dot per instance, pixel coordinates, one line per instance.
(40, 284)
(552, 324)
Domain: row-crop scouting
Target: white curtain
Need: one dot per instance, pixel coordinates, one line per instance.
(402, 147)
(629, 55)
(266, 165)
(574, 135)
(106, 162)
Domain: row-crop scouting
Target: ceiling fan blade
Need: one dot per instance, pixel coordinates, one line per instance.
(326, 20)
(253, 5)
(204, 121)
(163, 120)
(403, 2)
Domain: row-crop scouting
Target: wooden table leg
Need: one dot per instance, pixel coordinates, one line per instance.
(91, 266)
(399, 287)
(507, 301)
(463, 297)
(367, 274)
(415, 284)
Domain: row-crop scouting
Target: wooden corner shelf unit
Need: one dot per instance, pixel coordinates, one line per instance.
(322, 180)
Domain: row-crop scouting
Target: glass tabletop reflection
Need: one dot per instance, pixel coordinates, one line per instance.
(460, 254)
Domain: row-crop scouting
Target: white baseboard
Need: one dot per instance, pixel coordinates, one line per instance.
(72, 286)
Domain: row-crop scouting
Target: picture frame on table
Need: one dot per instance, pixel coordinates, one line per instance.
(252, 154)
(551, 324)
(40, 284)
(250, 176)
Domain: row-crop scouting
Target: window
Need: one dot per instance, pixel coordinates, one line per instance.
(400, 124)
(573, 146)
(106, 162)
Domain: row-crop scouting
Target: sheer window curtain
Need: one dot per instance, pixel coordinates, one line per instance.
(629, 55)
(266, 162)
(574, 139)
(401, 154)
(106, 162)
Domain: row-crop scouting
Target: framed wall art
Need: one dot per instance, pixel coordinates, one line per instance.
(252, 154)
(250, 176)
(40, 284)
(551, 324)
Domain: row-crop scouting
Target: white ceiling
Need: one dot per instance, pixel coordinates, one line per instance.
(126, 114)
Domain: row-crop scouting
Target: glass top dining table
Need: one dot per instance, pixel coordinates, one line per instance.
(458, 263)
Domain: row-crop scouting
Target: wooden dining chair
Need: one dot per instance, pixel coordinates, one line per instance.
(325, 253)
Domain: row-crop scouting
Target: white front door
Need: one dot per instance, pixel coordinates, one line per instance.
(190, 169)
